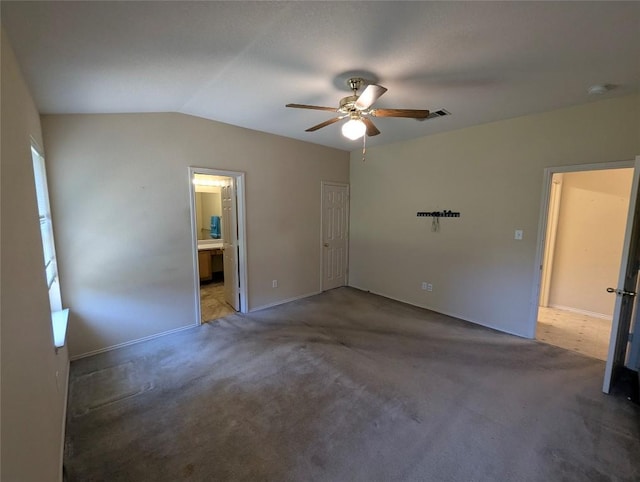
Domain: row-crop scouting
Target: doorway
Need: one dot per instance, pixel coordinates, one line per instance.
(219, 247)
(586, 221)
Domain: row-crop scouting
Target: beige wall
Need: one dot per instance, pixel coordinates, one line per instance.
(493, 175)
(592, 221)
(32, 396)
(117, 178)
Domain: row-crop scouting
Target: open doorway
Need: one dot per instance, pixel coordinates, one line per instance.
(219, 248)
(584, 240)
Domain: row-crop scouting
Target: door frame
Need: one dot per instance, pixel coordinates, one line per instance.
(542, 226)
(348, 212)
(551, 234)
(239, 178)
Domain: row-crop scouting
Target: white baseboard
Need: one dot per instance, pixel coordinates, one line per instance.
(282, 302)
(447, 313)
(132, 342)
(582, 312)
(176, 330)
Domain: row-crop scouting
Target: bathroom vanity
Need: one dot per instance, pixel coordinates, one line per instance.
(209, 258)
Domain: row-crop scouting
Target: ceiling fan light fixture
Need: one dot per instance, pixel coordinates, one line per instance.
(354, 129)
(599, 89)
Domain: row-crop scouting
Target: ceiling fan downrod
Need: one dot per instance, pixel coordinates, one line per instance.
(355, 83)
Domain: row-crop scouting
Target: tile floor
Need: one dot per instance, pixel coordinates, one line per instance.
(212, 304)
(573, 331)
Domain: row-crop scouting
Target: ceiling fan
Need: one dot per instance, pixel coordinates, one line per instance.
(358, 109)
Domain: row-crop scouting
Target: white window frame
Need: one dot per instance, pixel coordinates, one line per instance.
(59, 316)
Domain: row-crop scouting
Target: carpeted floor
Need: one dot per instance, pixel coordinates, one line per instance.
(346, 386)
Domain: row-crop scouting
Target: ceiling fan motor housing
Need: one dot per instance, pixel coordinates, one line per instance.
(347, 104)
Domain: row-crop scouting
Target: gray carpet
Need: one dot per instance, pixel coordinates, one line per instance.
(346, 386)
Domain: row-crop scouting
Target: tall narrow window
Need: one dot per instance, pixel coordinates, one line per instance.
(58, 316)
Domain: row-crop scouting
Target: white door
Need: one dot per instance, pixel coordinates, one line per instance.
(230, 244)
(625, 292)
(335, 210)
(633, 360)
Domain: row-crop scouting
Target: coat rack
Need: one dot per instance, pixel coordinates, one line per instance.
(439, 214)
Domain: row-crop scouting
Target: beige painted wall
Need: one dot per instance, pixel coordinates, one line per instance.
(32, 402)
(592, 221)
(117, 178)
(493, 175)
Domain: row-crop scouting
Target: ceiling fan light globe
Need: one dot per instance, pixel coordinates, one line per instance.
(353, 129)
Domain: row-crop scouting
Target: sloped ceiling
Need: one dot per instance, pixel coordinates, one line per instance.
(241, 62)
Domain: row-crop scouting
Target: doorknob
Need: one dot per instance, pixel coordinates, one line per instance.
(620, 292)
(326, 245)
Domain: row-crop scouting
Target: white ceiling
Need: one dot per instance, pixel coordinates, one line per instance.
(241, 62)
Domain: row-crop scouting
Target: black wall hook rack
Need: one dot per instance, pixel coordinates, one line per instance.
(439, 214)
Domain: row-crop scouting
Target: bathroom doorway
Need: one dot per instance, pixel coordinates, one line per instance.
(219, 248)
(586, 222)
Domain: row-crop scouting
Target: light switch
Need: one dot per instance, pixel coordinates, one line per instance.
(518, 234)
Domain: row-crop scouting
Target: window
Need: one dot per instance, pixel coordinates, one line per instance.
(58, 315)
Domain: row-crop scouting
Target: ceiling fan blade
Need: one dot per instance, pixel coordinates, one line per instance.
(412, 113)
(315, 107)
(324, 124)
(369, 96)
(372, 130)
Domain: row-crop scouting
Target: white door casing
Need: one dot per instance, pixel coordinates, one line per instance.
(550, 241)
(335, 234)
(240, 239)
(627, 282)
(230, 244)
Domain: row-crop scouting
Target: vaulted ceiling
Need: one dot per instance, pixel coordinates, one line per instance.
(241, 62)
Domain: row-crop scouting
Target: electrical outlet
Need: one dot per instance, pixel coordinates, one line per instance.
(429, 287)
(518, 234)
(424, 285)
(274, 283)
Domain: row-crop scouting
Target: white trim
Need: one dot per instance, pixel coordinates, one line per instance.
(242, 242)
(239, 178)
(194, 253)
(132, 342)
(348, 232)
(282, 302)
(582, 312)
(542, 227)
(551, 233)
(597, 166)
(63, 429)
(446, 313)
(36, 146)
(60, 322)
